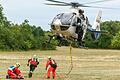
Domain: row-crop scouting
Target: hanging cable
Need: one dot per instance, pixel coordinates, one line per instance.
(71, 62)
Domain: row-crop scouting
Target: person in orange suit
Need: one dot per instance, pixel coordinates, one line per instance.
(51, 67)
(14, 72)
(32, 63)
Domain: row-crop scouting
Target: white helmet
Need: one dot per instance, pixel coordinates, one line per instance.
(34, 55)
(49, 57)
(17, 65)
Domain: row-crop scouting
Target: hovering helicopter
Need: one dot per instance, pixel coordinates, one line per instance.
(74, 25)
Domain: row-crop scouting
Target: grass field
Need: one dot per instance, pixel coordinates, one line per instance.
(91, 64)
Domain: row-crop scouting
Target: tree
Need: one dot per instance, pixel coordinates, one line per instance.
(115, 43)
(105, 39)
(112, 27)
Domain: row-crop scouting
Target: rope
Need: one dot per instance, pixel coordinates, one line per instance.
(71, 63)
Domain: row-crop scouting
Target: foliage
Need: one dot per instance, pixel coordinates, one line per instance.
(22, 36)
(116, 41)
(112, 27)
(106, 39)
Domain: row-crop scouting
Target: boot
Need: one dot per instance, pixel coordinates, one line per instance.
(7, 76)
(48, 78)
(30, 74)
(53, 77)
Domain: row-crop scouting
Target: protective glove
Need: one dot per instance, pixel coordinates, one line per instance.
(27, 64)
(37, 63)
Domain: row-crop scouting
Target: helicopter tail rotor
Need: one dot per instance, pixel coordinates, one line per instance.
(96, 26)
(97, 21)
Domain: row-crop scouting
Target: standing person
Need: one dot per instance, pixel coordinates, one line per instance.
(14, 72)
(81, 14)
(51, 67)
(82, 25)
(32, 63)
(79, 28)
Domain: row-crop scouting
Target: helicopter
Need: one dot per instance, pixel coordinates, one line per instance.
(74, 25)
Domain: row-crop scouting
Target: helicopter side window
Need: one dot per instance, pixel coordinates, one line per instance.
(74, 20)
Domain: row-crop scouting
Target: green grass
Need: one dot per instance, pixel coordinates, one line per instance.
(91, 64)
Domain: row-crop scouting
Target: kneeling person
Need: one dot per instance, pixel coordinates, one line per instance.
(14, 72)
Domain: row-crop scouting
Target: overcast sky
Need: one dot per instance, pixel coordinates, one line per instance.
(40, 14)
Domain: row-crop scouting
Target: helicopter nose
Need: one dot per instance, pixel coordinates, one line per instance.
(57, 24)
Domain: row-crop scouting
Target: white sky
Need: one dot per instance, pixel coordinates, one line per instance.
(40, 14)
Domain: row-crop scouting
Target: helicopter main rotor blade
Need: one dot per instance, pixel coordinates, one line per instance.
(96, 1)
(74, 4)
(57, 1)
(56, 4)
(97, 7)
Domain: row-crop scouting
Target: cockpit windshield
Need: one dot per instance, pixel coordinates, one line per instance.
(66, 18)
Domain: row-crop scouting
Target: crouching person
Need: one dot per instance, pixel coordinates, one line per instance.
(14, 72)
(32, 63)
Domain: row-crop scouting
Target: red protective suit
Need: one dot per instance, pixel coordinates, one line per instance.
(50, 68)
(11, 74)
(14, 73)
(32, 61)
(18, 73)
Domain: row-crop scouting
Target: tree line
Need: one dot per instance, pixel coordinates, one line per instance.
(110, 40)
(21, 36)
(30, 37)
